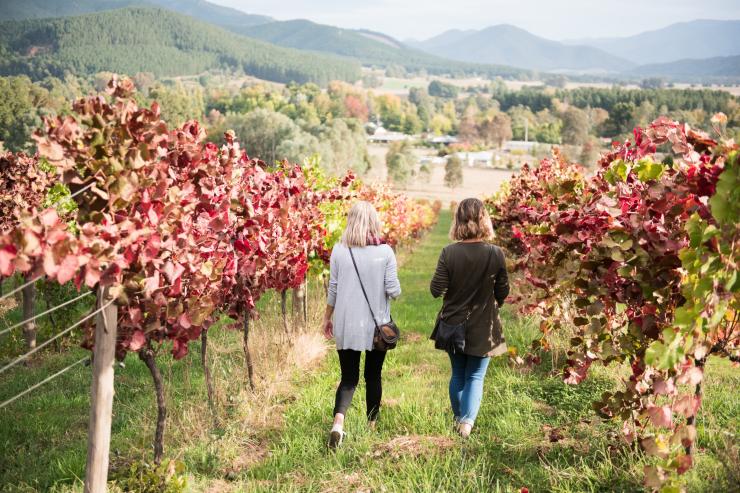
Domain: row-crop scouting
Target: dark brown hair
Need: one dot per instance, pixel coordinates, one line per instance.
(471, 221)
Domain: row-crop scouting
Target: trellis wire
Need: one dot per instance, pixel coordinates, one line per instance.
(4, 331)
(42, 382)
(46, 343)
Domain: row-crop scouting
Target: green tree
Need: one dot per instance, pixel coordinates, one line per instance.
(179, 103)
(443, 89)
(453, 172)
(20, 104)
(343, 147)
(270, 136)
(621, 119)
(400, 162)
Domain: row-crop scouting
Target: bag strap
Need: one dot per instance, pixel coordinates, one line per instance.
(363, 287)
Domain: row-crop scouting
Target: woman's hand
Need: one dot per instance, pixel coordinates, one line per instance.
(328, 326)
(328, 329)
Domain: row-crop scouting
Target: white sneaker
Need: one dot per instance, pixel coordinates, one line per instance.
(464, 429)
(336, 437)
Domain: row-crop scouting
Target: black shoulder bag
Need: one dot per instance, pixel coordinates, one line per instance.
(451, 338)
(386, 335)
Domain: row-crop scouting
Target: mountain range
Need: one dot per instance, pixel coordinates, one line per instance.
(651, 51)
(509, 45)
(684, 51)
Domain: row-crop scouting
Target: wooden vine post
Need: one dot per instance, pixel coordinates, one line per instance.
(101, 395)
(247, 353)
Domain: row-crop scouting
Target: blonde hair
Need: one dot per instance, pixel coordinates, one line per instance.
(362, 225)
(471, 222)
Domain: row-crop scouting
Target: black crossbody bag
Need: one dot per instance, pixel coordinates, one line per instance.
(386, 335)
(451, 338)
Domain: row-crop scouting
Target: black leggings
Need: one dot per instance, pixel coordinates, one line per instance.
(349, 361)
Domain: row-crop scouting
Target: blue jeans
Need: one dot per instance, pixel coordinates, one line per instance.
(466, 385)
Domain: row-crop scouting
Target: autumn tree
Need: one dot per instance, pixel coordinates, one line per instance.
(575, 126)
(497, 130)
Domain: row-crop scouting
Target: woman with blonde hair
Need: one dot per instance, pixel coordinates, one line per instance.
(360, 262)
(471, 276)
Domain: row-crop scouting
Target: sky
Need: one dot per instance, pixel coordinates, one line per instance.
(553, 19)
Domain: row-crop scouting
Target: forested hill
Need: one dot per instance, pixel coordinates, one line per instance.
(142, 39)
(369, 48)
(200, 9)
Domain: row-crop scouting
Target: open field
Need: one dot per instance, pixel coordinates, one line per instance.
(477, 182)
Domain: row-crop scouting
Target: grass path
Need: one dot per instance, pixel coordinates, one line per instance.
(532, 431)
(414, 448)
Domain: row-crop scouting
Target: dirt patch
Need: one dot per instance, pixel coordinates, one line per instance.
(544, 408)
(412, 337)
(413, 446)
(219, 486)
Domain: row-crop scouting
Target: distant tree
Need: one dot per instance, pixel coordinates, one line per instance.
(400, 162)
(467, 130)
(621, 119)
(390, 111)
(519, 116)
(371, 81)
(270, 136)
(145, 80)
(20, 103)
(597, 117)
(645, 113)
(343, 146)
(576, 126)
(497, 130)
(558, 80)
(395, 71)
(411, 122)
(453, 172)
(101, 79)
(652, 83)
(179, 103)
(548, 127)
(443, 90)
(589, 152)
(425, 173)
(355, 107)
(498, 88)
(420, 98)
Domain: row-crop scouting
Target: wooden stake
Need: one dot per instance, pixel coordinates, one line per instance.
(101, 396)
(247, 354)
(206, 369)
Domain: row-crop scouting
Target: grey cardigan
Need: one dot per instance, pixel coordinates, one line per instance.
(353, 324)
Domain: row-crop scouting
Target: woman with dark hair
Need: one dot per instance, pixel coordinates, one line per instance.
(471, 276)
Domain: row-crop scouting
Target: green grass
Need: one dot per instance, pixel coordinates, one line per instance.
(42, 437)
